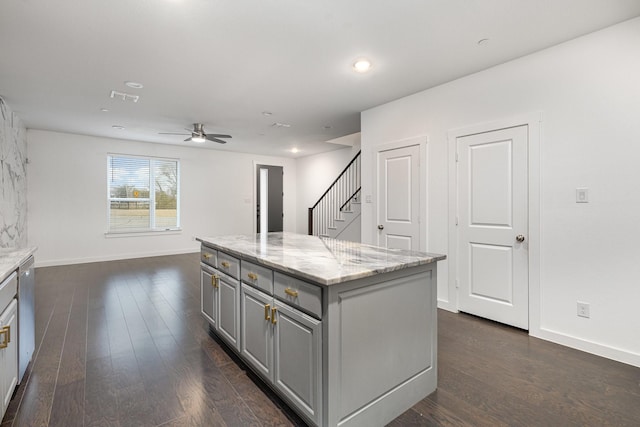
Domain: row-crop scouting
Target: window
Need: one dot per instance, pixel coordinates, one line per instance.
(143, 194)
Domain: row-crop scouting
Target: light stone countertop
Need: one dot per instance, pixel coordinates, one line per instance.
(10, 259)
(321, 260)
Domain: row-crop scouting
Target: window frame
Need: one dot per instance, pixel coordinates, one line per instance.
(152, 229)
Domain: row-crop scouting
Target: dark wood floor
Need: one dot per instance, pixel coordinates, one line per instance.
(123, 343)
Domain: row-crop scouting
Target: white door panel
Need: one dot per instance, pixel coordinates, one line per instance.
(491, 272)
(399, 198)
(491, 192)
(398, 242)
(492, 208)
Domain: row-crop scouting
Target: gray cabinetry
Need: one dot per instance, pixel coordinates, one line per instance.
(8, 340)
(257, 330)
(8, 353)
(208, 295)
(284, 345)
(297, 360)
(220, 300)
(345, 333)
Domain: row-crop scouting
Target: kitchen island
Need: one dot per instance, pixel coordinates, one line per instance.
(345, 332)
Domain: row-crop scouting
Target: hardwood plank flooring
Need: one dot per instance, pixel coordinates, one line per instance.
(123, 343)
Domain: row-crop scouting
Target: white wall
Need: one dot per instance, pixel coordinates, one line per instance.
(68, 188)
(314, 175)
(588, 91)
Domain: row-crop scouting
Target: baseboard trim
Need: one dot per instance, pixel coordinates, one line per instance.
(447, 305)
(68, 261)
(591, 347)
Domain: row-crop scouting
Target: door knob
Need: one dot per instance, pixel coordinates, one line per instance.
(380, 227)
(520, 238)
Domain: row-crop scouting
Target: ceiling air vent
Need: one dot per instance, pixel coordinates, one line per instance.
(124, 96)
(281, 125)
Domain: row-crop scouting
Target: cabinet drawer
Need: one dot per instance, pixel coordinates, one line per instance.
(208, 256)
(258, 276)
(298, 293)
(228, 264)
(8, 290)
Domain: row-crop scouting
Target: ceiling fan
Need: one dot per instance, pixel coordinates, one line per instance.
(198, 135)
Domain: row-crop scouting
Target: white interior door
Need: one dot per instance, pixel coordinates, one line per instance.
(493, 224)
(399, 198)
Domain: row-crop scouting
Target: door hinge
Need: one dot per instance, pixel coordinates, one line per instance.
(456, 220)
(457, 157)
(457, 284)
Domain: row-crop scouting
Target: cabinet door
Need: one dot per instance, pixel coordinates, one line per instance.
(208, 296)
(9, 354)
(228, 297)
(298, 360)
(257, 331)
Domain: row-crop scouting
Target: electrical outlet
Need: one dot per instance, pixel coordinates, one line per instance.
(583, 309)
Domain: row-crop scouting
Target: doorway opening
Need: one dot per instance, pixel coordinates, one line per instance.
(269, 200)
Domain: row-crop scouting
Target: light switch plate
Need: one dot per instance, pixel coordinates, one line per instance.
(582, 195)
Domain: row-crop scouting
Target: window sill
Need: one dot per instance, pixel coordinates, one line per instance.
(145, 233)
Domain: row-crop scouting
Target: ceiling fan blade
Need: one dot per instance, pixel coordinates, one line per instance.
(172, 133)
(218, 135)
(188, 139)
(219, 141)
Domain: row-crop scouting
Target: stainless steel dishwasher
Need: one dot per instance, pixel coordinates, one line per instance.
(26, 315)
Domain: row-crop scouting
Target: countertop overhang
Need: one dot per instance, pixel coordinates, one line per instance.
(322, 260)
(10, 259)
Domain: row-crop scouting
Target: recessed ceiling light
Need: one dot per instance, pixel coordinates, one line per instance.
(362, 65)
(118, 127)
(267, 113)
(483, 42)
(104, 110)
(134, 85)
(294, 150)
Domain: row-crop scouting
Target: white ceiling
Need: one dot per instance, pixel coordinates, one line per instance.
(224, 62)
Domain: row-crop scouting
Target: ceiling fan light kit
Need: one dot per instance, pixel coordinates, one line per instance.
(199, 136)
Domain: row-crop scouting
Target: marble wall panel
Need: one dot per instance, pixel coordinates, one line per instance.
(13, 179)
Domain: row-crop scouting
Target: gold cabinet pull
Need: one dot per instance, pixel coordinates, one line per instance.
(225, 264)
(206, 256)
(6, 331)
(215, 281)
(274, 310)
(291, 292)
(252, 276)
(266, 312)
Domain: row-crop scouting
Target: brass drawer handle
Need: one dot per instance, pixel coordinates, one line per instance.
(225, 264)
(206, 256)
(274, 310)
(6, 331)
(291, 292)
(252, 276)
(266, 312)
(215, 281)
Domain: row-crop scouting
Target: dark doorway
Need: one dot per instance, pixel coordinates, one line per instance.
(269, 191)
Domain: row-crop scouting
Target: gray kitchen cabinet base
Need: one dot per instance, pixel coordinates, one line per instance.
(381, 352)
(358, 349)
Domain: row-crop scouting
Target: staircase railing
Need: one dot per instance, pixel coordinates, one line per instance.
(337, 199)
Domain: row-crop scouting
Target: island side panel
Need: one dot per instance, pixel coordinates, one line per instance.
(381, 346)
